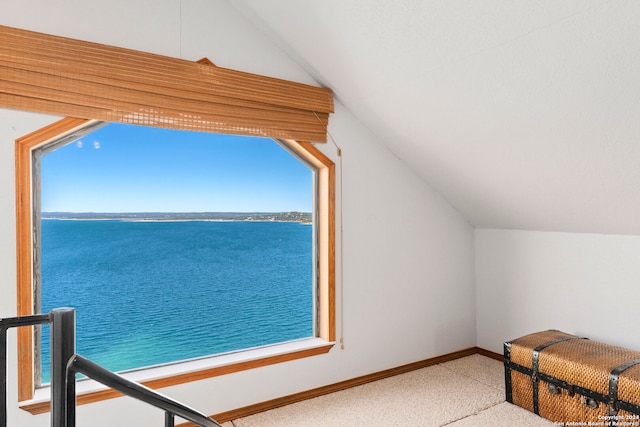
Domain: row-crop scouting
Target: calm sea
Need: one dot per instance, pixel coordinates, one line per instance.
(148, 293)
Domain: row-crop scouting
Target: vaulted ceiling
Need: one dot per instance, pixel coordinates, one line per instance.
(523, 114)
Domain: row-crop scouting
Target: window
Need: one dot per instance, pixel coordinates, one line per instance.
(89, 81)
(315, 316)
(173, 245)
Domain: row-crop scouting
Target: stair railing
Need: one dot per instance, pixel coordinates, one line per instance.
(65, 364)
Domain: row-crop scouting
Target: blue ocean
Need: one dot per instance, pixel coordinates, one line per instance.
(149, 293)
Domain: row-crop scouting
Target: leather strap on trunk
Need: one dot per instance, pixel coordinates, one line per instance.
(613, 384)
(535, 374)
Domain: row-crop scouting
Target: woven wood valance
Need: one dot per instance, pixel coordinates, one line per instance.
(67, 77)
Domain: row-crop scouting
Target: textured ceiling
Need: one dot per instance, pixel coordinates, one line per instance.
(523, 114)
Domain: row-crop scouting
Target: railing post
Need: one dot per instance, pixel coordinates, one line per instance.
(63, 384)
(169, 419)
(3, 376)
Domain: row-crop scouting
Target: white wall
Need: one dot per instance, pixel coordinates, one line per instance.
(583, 284)
(408, 291)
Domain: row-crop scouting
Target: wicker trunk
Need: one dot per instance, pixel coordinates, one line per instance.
(573, 381)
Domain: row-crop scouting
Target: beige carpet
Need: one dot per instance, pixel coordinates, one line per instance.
(467, 392)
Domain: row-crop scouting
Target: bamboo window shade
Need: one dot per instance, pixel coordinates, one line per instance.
(68, 77)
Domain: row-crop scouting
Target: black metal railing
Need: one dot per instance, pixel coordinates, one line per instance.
(65, 364)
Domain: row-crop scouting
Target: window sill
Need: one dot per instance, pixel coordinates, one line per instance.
(89, 391)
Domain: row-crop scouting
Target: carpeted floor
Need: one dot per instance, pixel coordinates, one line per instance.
(467, 392)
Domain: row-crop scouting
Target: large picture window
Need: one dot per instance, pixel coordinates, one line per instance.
(90, 82)
(176, 246)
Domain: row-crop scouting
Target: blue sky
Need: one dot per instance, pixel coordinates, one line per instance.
(125, 168)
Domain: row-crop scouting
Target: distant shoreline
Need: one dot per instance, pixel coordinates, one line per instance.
(293, 216)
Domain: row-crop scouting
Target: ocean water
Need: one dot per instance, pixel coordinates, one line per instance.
(149, 293)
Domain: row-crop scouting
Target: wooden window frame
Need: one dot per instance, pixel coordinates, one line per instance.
(325, 247)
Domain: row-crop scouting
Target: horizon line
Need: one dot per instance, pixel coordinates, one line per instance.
(173, 212)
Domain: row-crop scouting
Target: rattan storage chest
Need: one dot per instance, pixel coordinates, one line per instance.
(573, 381)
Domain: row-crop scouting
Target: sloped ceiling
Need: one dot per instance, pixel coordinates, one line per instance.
(523, 114)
